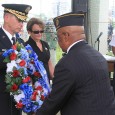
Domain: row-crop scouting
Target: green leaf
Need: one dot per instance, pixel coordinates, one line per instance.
(19, 46)
(21, 70)
(6, 60)
(14, 68)
(13, 80)
(8, 79)
(18, 80)
(8, 87)
(15, 92)
(36, 103)
(8, 74)
(22, 46)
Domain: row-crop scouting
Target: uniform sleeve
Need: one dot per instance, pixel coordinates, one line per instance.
(2, 64)
(63, 86)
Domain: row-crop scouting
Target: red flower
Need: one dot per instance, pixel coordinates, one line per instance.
(32, 62)
(19, 105)
(35, 93)
(34, 96)
(42, 97)
(14, 87)
(13, 56)
(39, 88)
(22, 63)
(16, 73)
(37, 74)
(14, 47)
(26, 80)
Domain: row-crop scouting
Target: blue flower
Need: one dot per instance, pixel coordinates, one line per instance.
(7, 52)
(24, 54)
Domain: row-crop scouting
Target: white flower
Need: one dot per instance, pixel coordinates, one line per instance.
(37, 84)
(16, 52)
(19, 96)
(18, 60)
(10, 66)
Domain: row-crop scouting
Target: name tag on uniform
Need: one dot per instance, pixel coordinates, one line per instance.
(3, 50)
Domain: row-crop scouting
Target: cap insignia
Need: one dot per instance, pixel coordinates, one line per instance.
(57, 22)
(27, 9)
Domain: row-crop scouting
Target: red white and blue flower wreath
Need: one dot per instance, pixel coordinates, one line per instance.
(26, 78)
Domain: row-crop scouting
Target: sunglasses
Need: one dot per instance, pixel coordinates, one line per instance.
(37, 31)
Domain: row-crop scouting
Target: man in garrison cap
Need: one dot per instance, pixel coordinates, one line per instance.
(81, 84)
(14, 16)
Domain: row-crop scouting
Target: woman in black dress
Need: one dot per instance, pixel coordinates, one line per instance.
(35, 28)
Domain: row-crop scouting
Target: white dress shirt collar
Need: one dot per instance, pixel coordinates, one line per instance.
(73, 45)
(8, 34)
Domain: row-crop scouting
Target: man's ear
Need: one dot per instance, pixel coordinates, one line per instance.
(66, 36)
(6, 17)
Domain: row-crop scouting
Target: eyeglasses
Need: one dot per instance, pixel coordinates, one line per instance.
(37, 31)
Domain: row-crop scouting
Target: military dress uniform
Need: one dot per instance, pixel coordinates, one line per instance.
(7, 104)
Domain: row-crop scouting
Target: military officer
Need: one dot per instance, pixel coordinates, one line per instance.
(14, 16)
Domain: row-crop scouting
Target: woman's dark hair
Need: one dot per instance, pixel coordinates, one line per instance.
(33, 21)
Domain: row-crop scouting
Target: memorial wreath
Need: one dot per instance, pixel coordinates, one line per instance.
(26, 79)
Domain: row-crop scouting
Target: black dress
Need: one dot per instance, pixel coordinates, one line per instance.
(44, 55)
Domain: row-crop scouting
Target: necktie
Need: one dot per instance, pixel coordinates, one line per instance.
(14, 40)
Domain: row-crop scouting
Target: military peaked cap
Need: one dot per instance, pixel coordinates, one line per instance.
(19, 10)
